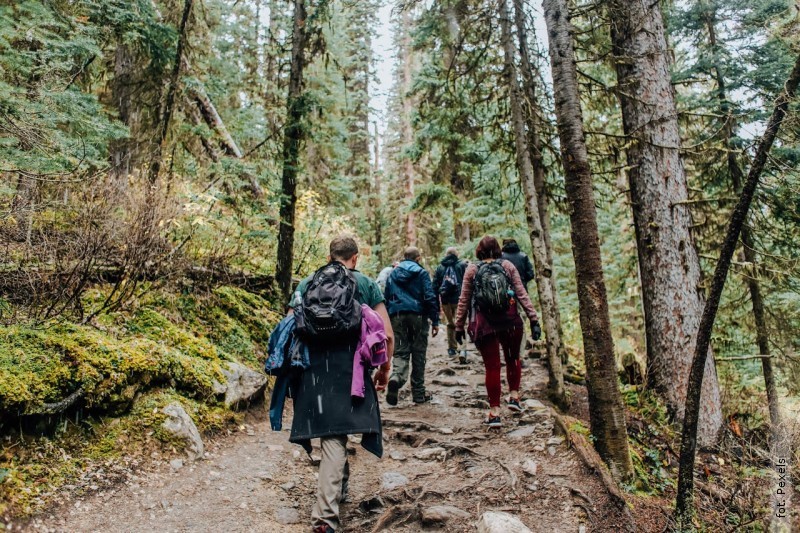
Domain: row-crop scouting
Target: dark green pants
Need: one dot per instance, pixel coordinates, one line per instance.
(411, 345)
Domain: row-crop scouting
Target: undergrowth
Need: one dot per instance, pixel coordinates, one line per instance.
(128, 365)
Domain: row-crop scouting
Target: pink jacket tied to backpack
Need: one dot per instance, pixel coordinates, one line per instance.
(371, 349)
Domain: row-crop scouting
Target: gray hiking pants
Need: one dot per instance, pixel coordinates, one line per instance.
(411, 345)
(334, 472)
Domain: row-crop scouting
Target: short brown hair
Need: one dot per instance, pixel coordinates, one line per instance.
(343, 248)
(411, 253)
(488, 248)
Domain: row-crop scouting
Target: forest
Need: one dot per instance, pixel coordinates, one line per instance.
(170, 169)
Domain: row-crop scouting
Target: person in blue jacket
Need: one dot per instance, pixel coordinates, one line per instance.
(412, 305)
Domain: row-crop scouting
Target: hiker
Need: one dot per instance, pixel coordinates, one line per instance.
(335, 396)
(383, 275)
(447, 285)
(412, 304)
(491, 291)
(519, 259)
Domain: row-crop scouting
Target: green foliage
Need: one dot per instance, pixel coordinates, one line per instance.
(163, 341)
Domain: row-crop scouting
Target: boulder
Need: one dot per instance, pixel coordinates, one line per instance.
(521, 433)
(287, 515)
(394, 480)
(497, 522)
(431, 453)
(241, 383)
(530, 467)
(180, 425)
(439, 514)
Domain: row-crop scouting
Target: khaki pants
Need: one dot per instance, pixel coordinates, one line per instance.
(334, 472)
(450, 316)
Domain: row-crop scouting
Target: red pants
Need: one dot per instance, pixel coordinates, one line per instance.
(489, 347)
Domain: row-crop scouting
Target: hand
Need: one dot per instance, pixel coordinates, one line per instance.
(382, 377)
(460, 336)
(435, 331)
(536, 330)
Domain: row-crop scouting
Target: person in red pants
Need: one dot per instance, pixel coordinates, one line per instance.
(490, 293)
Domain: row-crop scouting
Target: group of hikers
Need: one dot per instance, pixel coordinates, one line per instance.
(346, 338)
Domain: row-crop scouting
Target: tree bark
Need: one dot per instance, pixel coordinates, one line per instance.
(539, 252)
(172, 89)
(377, 196)
(294, 135)
(532, 119)
(606, 410)
(668, 261)
(684, 507)
(123, 151)
(407, 130)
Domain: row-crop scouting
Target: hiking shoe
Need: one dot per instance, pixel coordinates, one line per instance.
(391, 392)
(514, 405)
(463, 357)
(451, 352)
(492, 421)
(425, 399)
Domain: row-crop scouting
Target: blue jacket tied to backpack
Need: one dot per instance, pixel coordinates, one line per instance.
(287, 358)
(409, 290)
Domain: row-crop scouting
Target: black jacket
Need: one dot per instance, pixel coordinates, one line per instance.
(323, 406)
(512, 253)
(438, 277)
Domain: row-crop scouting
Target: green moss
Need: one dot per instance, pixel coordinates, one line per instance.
(130, 364)
(183, 341)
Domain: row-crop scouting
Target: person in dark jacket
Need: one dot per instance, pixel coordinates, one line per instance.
(448, 291)
(323, 405)
(412, 304)
(512, 253)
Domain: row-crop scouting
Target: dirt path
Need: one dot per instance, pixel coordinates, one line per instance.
(257, 481)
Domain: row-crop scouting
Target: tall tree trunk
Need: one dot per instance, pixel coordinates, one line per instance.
(377, 197)
(684, 505)
(294, 136)
(272, 55)
(123, 150)
(407, 130)
(23, 207)
(737, 177)
(525, 168)
(532, 118)
(606, 410)
(668, 261)
(172, 89)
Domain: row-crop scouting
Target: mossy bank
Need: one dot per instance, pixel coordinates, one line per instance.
(121, 369)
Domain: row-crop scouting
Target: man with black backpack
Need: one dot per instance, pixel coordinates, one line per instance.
(328, 313)
(447, 285)
(412, 303)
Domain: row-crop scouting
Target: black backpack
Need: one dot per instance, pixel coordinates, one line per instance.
(329, 309)
(492, 293)
(451, 285)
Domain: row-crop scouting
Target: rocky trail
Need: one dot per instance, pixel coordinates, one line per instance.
(441, 469)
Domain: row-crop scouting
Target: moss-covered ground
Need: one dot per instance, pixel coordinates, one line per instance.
(128, 364)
